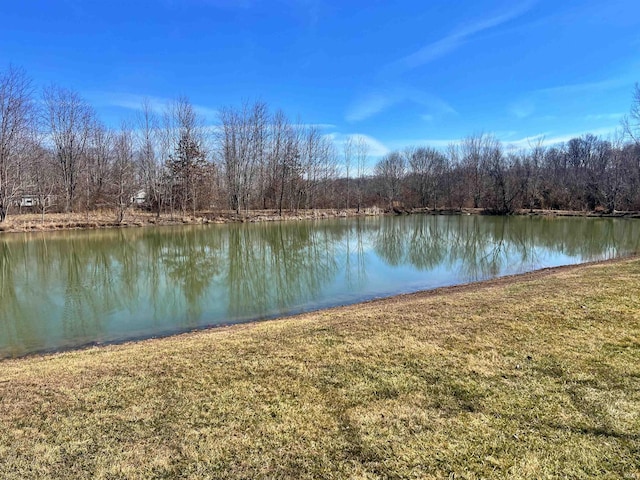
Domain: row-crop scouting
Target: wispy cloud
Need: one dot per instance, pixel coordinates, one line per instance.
(439, 143)
(376, 147)
(370, 105)
(509, 139)
(526, 105)
(456, 39)
(522, 108)
(379, 99)
(375, 102)
(586, 87)
(605, 116)
(552, 138)
(317, 126)
(159, 104)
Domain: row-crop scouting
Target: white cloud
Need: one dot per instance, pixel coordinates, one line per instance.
(319, 126)
(456, 39)
(380, 99)
(507, 139)
(370, 105)
(376, 147)
(551, 138)
(438, 143)
(159, 104)
(376, 102)
(522, 109)
(586, 87)
(525, 106)
(605, 116)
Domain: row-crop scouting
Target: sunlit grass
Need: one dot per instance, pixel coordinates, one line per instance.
(531, 377)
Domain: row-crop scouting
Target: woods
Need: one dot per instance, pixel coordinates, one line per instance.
(57, 156)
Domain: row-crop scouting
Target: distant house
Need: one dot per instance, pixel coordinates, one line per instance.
(140, 198)
(30, 200)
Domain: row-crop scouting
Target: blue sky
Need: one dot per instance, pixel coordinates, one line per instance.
(398, 72)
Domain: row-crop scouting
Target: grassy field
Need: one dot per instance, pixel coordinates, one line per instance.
(536, 376)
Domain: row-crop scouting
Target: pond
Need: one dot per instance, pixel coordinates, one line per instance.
(61, 290)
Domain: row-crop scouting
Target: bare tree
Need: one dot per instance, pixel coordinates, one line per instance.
(242, 142)
(503, 187)
(70, 120)
(390, 171)
(319, 164)
(427, 166)
(42, 179)
(532, 164)
(631, 122)
(150, 171)
(184, 130)
(17, 122)
(284, 161)
(97, 166)
(347, 156)
(123, 179)
(473, 156)
(362, 154)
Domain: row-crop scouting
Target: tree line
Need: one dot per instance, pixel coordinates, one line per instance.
(57, 155)
(586, 173)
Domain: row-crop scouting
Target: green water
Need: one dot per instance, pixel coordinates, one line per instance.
(64, 290)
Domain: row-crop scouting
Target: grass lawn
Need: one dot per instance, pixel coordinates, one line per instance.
(536, 376)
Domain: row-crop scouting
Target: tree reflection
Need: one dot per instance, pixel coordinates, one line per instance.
(191, 257)
(69, 288)
(355, 261)
(274, 268)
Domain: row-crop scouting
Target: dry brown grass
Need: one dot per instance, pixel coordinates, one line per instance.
(530, 377)
(28, 222)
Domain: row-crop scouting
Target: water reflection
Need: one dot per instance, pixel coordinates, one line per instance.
(66, 289)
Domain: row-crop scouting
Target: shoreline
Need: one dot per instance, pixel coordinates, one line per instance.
(31, 222)
(450, 290)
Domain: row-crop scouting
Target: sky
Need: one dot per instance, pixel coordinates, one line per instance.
(396, 73)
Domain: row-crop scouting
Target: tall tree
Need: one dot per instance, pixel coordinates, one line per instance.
(474, 152)
(123, 178)
(70, 120)
(426, 168)
(631, 123)
(97, 166)
(17, 124)
(150, 171)
(187, 157)
(347, 156)
(284, 161)
(390, 171)
(362, 153)
(242, 143)
(42, 178)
